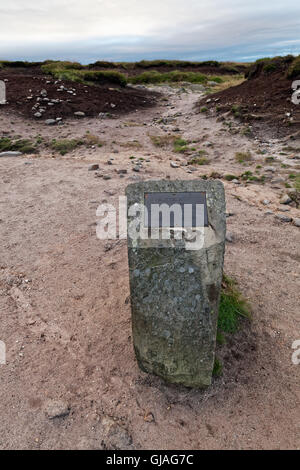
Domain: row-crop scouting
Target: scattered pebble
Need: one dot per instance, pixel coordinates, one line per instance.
(79, 114)
(283, 218)
(229, 237)
(50, 122)
(56, 409)
(285, 199)
(10, 154)
(93, 167)
(297, 222)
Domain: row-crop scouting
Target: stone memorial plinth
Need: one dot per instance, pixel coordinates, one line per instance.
(175, 282)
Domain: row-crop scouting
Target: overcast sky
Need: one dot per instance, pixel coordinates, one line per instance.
(90, 30)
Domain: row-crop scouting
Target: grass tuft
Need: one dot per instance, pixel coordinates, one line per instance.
(64, 146)
(218, 368)
(242, 157)
(21, 145)
(175, 76)
(233, 307)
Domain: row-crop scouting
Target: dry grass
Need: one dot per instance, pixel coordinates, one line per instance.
(242, 157)
(162, 141)
(132, 144)
(228, 81)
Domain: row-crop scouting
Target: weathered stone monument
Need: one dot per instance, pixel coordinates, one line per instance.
(175, 281)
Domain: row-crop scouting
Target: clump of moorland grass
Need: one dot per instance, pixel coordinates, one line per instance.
(64, 146)
(19, 64)
(233, 307)
(218, 368)
(162, 141)
(131, 144)
(199, 161)
(295, 186)
(91, 140)
(269, 65)
(78, 73)
(242, 157)
(294, 68)
(248, 176)
(230, 177)
(180, 145)
(175, 76)
(105, 76)
(21, 145)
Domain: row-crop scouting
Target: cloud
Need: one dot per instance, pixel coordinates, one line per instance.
(136, 29)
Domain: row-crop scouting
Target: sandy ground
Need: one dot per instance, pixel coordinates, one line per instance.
(65, 314)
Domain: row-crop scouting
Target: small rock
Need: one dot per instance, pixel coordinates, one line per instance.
(79, 114)
(266, 202)
(10, 154)
(229, 237)
(285, 199)
(297, 222)
(277, 180)
(174, 165)
(115, 436)
(283, 218)
(50, 122)
(136, 168)
(103, 115)
(56, 409)
(270, 168)
(106, 177)
(149, 417)
(93, 167)
(37, 115)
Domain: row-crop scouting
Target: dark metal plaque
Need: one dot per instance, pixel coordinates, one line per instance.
(190, 208)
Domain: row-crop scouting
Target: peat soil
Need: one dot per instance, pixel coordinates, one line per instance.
(28, 90)
(264, 102)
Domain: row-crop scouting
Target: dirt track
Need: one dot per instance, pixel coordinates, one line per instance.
(65, 316)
